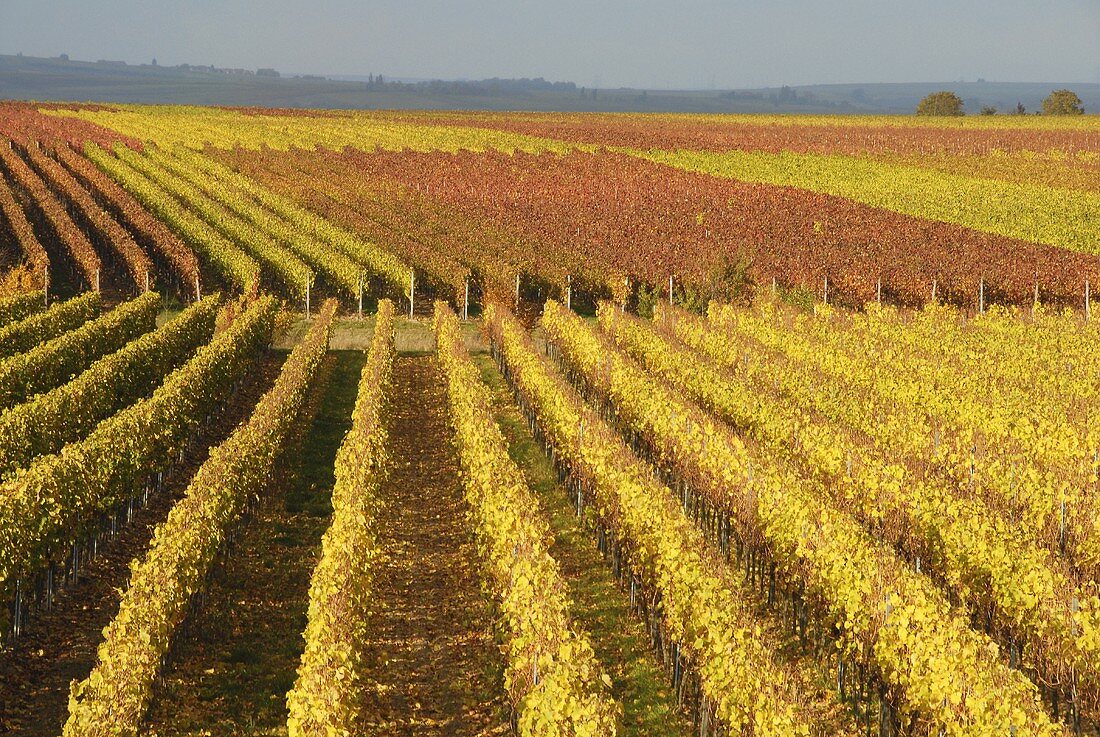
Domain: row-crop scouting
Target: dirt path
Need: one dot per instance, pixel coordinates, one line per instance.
(231, 675)
(60, 645)
(435, 661)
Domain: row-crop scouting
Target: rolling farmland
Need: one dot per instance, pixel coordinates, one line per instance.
(320, 423)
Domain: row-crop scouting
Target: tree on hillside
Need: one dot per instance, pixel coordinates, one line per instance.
(943, 102)
(1063, 102)
(989, 110)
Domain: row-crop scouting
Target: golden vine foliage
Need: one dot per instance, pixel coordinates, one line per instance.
(979, 556)
(329, 690)
(1000, 406)
(19, 306)
(556, 683)
(44, 423)
(946, 675)
(50, 503)
(38, 327)
(705, 607)
(340, 254)
(113, 700)
(278, 263)
(234, 266)
(55, 361)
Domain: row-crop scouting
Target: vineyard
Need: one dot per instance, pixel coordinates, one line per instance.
(328, 424)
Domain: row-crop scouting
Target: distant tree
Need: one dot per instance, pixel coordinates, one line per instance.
(943, 102)
(1020, 109)
(266, 72)
(1063, 102)
(64, 57)
(154, 61)
(989, 110)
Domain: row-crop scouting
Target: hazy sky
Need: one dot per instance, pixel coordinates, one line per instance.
(690, 43)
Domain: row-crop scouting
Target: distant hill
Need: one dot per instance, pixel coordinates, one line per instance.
(57, 79)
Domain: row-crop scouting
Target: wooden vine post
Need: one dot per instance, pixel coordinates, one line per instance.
(466, 302)
(412, 291)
